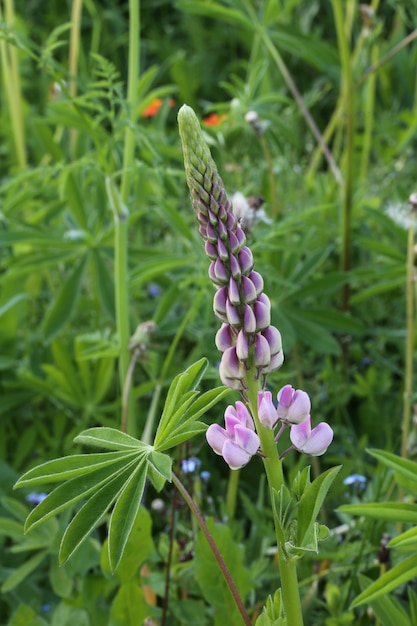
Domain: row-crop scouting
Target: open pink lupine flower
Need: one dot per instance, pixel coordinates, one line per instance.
(293, 405)
(311, 441)
(238, 442)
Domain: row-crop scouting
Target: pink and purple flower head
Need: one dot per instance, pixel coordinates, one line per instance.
(238, 442)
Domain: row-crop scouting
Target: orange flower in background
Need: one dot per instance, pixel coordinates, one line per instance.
(214, 119)
(154, 107)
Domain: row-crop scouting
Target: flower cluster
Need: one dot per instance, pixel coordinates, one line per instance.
(238, 442)
(246, 337)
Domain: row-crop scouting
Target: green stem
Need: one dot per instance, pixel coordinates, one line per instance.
(409, 346)
(271, 177)
(348, 99)
(231, 496)
(11, 78)
(121, 280)
(133, 77)
(222, 565)
(369, 120)
(74, 52)
(275, 477)
(298, 98)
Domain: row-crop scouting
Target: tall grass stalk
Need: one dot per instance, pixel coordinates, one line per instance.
(74, 53)
(347, 92)
(11, 78)
(409, 345)
(302, 105)
(132, 83)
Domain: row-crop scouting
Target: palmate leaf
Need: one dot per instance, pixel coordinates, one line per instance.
(110, 439)
(67, 467)
(90, 514)
(76, 489)
(124, 514)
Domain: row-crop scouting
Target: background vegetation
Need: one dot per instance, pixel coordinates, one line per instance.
(85, 139)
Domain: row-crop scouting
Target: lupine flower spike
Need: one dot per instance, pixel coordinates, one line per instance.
(249, 344)
(246, 337)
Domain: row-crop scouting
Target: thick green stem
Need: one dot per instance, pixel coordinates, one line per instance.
(133, 77)
(275, 477)
(222, 565)
(409, 346)
(231, 496)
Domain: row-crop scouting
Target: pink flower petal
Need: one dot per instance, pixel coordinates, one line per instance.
(247, 439)
(320, 439)
(216, 437)
(266, 411)
(235, 456)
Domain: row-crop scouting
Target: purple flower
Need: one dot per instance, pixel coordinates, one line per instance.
(238, 442)
(311, 441)
(293, 406)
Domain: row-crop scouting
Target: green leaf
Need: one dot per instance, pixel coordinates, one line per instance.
(63, 306)
(407, 539)
(67, 467)
(388, 610)
(124, 514)
(177, 396)
(388, 511)
(162, 463)
(105, 284)
(76, 489)
(404, 467)
(217, 11)
(23, 571)
(398, 575)
(91, 514)
(110, 439)
(311, 501)
(211, 581)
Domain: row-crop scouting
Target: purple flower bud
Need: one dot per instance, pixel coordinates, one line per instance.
(211, 250)
(262, 313)
(232, 314)
(242, 346)
(245, 260)
(249, 320)
(313, 442)
(225, 338)
(219, 304)
(273, 337)
(267, 413)
(275, 363)
(231, 368)
(258, 282)
(262, 352)
(235, 268)
(293, 406)
(234, 294)
(249, 290)
(222, 250)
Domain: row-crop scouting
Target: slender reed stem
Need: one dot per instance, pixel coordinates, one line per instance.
(74, 53)
(121, 272)
(165, 602)
(409, 346)
(347, 190)
(133, 76)
(222, 565)
(270, 169)
(388, 56)
(11, 78)
(369, 119)
(298, 98)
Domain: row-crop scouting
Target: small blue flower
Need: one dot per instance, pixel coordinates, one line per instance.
(36, 498)
(45, 608)
(355, 479)
(205, 475)
(190, 465)
(154, 291)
